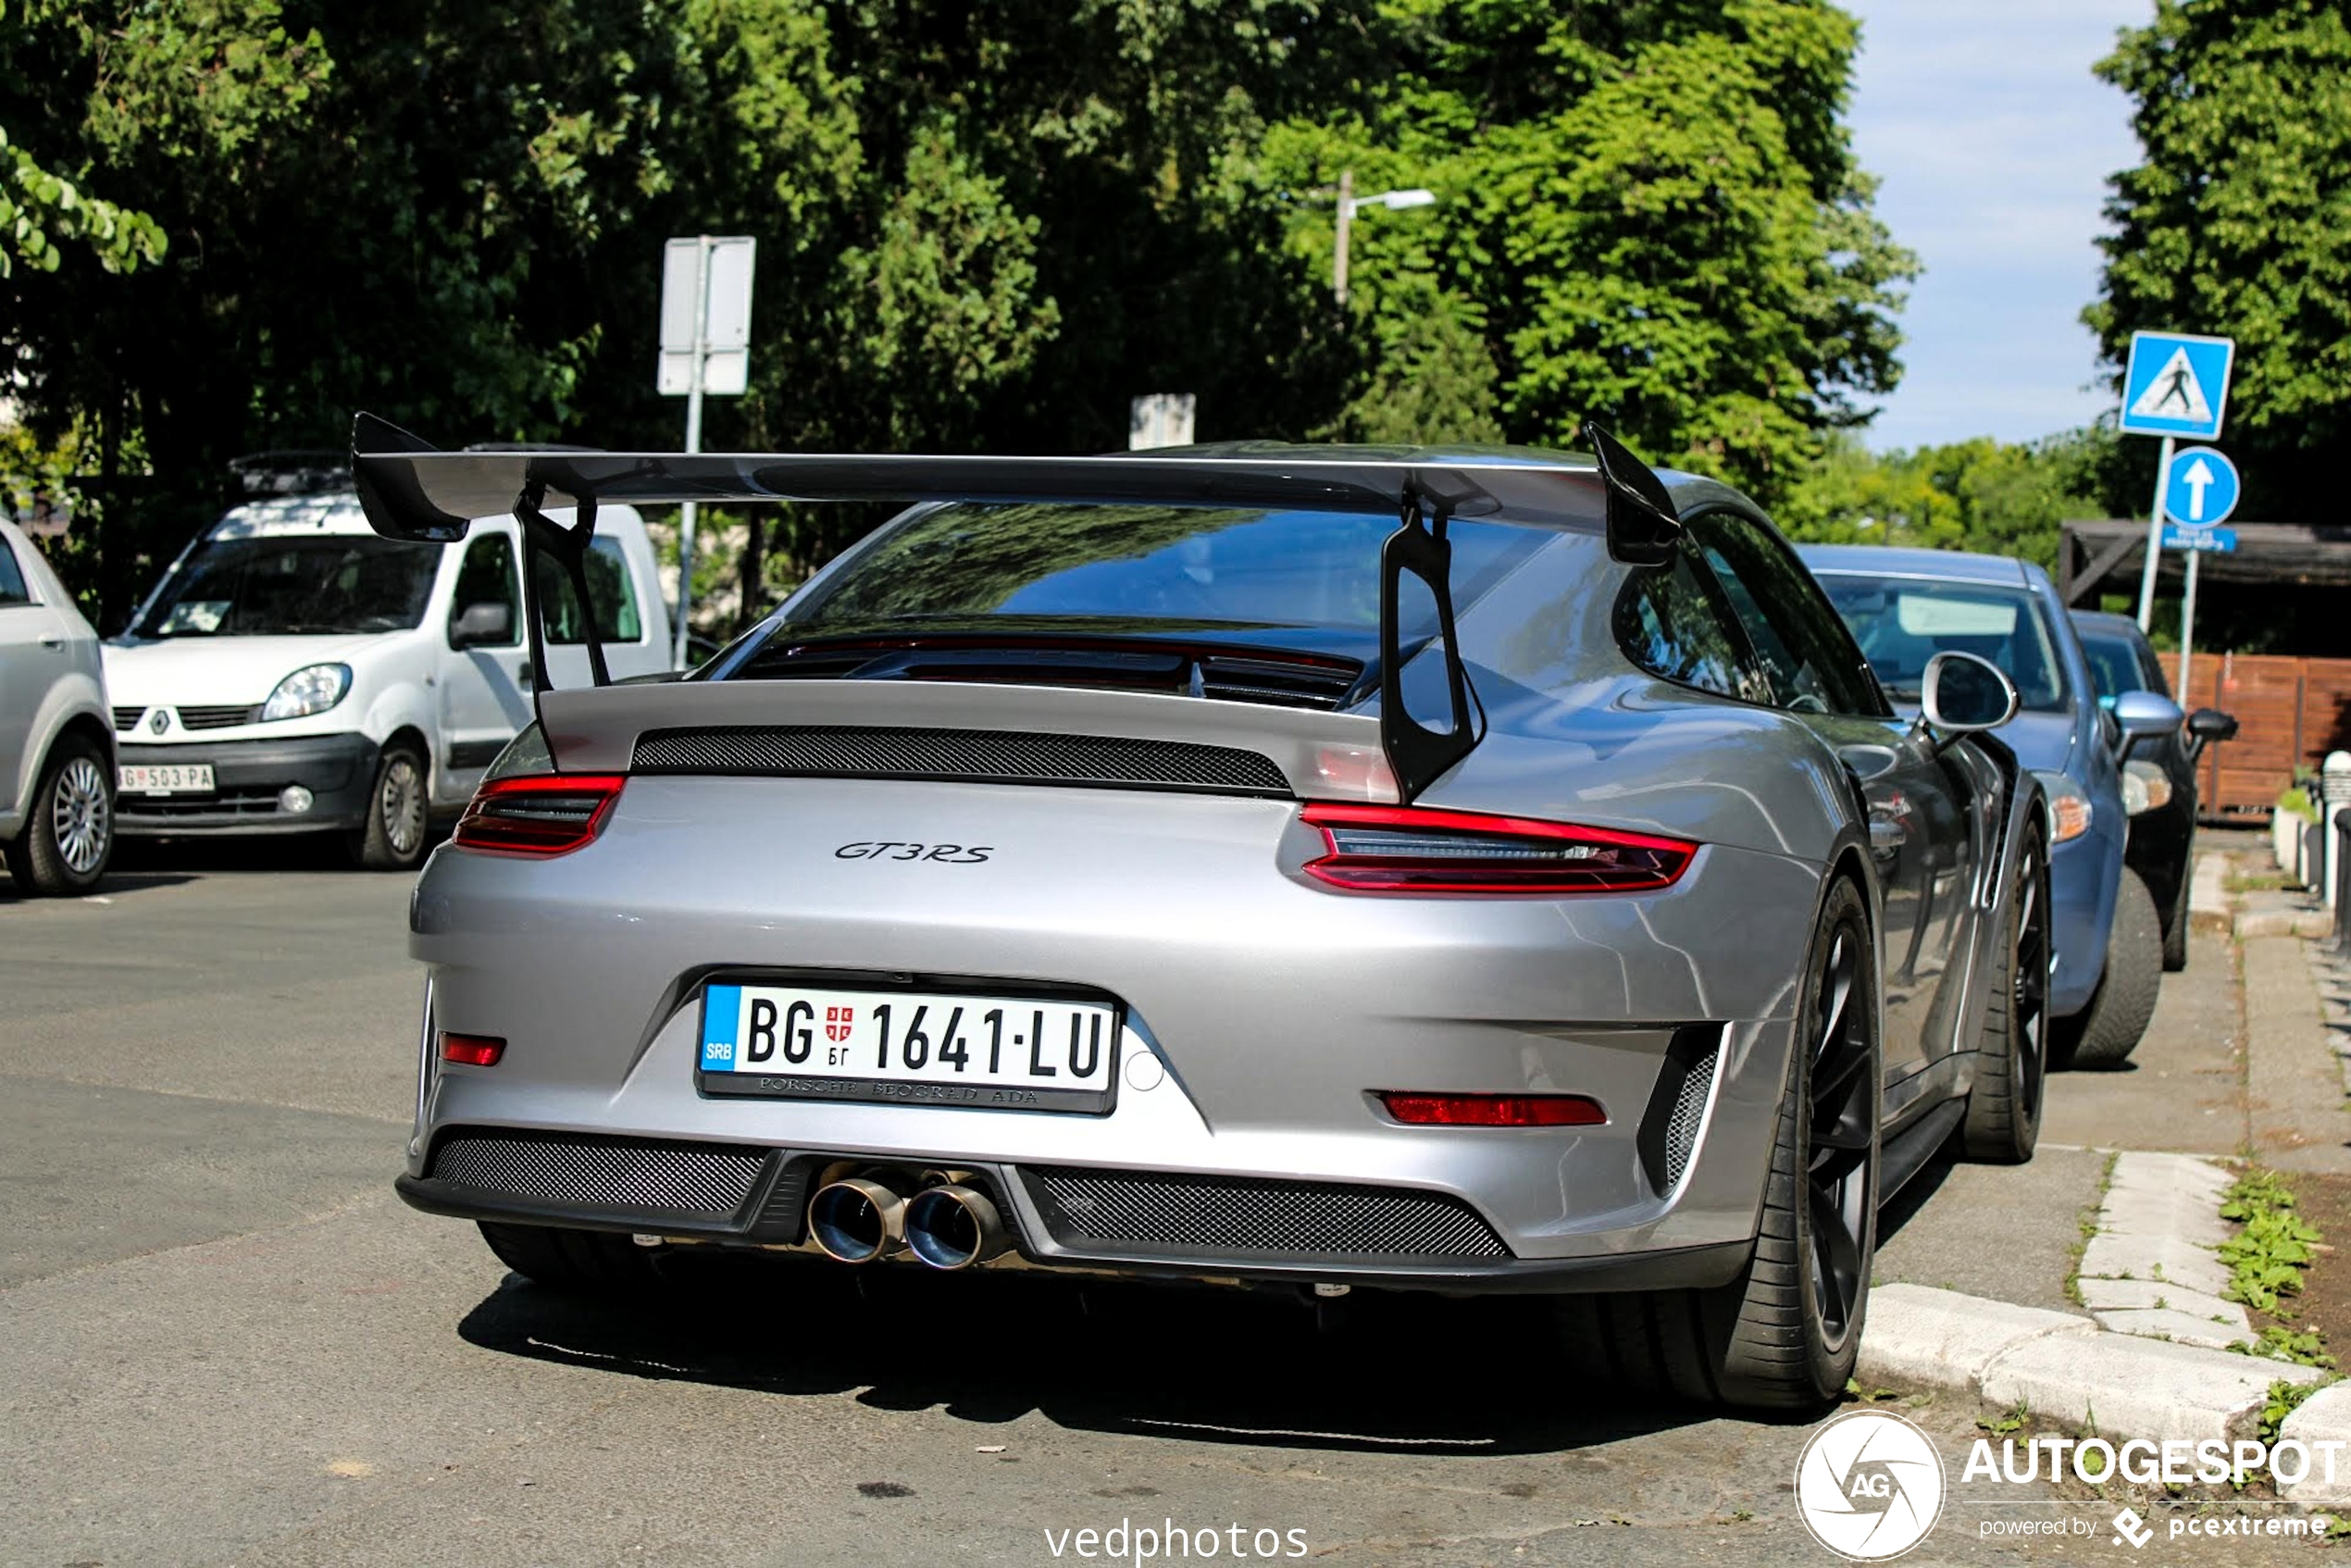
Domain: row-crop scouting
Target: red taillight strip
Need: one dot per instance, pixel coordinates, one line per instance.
(1418, 850)
(1494, 1110)
(539, 815)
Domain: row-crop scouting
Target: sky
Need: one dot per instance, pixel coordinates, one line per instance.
(1992, 142)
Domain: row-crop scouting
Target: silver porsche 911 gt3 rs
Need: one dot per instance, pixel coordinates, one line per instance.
(1461, 870)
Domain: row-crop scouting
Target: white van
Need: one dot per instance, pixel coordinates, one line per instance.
(294, 672)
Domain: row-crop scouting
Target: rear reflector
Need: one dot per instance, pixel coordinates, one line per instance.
(539, 815)
(1414, 850)
(1494, 1110)
(474, 1051)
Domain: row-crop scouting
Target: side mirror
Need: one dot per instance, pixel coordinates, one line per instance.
(1961, 694)
(487, 624)
(2145, 716)
(2211, 724)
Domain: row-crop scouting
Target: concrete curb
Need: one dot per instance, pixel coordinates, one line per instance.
(2060, 1365)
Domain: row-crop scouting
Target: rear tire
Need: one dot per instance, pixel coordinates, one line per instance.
(2105, 1033)
(584, 1262)
(1785, 1335)
(2175, 934)
(2011, 1055)
(68, 836)
(394, 836)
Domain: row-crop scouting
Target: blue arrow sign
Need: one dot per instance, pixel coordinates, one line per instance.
(2176, 385)
(2199, 488)
(2208, 541)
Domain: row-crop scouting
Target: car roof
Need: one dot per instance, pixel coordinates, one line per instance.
(337, 513)
(2102, 623)
(1888, 560)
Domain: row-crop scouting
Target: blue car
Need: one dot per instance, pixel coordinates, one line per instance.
(1904, 607)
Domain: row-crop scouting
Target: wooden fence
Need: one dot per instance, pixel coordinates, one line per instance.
(2289, 711)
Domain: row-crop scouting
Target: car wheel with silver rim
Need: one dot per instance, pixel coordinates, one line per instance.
(394, 836)
(69, 834)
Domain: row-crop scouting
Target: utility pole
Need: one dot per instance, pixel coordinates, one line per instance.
(1346, 223)
(693, 444)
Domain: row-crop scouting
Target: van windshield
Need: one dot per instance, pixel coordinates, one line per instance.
(263, 587)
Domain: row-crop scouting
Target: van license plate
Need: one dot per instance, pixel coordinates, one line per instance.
(171, 779)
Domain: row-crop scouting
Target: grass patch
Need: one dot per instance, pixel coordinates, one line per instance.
(2259, 882)
(2266, 1261)
(2089, 1224)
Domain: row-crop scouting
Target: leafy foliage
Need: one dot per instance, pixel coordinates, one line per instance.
(1982, 495)
(981, 224)
(2235, 223)
(2270, 1253)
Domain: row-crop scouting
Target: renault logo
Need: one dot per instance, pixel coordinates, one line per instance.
(161, 721)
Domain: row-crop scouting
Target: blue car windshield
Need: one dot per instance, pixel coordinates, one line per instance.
(1903, 622)
(1136, 569)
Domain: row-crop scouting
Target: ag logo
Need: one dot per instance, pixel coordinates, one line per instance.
(1869, 1486)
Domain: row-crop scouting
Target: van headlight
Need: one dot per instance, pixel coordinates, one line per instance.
(2069, 806)
(2145, 787)
(310, 690)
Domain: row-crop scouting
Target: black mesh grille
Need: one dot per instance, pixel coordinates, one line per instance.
(1236, 1217)
(1667, 1138)
(1688, 1114)
(971, 755)
(217, 719)
(712, 1180)
(128, 718)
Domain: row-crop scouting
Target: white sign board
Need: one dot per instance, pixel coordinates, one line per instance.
(1160, 419)
(715, 272)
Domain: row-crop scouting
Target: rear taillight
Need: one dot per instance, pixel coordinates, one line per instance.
(1412, 850)
(1494, 1110)
(539, 813)
(474, 1051)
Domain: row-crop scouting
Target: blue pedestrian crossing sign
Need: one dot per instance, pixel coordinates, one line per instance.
(2176, 385)
(2199, 488)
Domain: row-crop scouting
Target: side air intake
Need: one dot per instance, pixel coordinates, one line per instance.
(1668, 1137)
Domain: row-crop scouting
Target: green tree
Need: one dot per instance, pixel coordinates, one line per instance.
(1989, 497)
(2239, 223)
(1650, 213)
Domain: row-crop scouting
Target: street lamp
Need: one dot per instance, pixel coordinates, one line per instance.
(1348, 205)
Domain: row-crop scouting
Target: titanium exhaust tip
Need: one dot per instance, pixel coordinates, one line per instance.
(952, 1227)
(855, 1220)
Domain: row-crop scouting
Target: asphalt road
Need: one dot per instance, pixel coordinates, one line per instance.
(226, 1341)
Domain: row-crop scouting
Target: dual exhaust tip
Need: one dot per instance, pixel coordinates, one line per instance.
(948, 1226)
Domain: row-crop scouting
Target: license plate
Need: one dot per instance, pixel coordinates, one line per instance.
(170, 779)
(915, 1048)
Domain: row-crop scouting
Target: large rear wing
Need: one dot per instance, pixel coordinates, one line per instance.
(413, 491)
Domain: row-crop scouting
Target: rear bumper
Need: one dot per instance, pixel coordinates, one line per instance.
(248, 776)
(771, 1216)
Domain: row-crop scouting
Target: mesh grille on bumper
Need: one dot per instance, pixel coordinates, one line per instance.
(709, 1179)
(1253, 1220)
(973, 755)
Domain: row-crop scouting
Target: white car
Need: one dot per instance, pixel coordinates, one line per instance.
(57, 757)
(294, 672)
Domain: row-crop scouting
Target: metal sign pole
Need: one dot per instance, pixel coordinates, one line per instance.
(2155, 541)
(693, 443)
(2187, 621)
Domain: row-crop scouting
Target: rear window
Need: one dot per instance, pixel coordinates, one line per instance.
(1137, 570)
(1903, 622)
